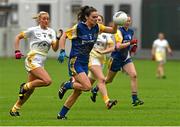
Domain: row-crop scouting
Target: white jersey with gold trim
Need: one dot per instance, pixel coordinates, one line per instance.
(40, 39)
(160, 45)
(160, 49)
(103, 40)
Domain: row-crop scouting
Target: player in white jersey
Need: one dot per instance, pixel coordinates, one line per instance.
(41, 39)
(97, 58)
(159, 48)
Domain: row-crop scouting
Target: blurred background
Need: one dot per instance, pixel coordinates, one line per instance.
(149, 18)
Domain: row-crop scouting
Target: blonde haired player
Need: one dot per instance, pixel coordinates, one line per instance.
(103, 45)
(41, 39)
(159, 48)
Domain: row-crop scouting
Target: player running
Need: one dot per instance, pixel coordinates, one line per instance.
(83, 35)
(41, 39)
(121, 59)
(103, 45)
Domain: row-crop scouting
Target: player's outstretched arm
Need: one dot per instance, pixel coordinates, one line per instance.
(62, 53)
(112, 29)
(55, 45)
(18, 53)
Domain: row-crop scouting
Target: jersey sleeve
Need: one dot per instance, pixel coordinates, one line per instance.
(167, 43)
(101, 28)
(27, 33)
(72, 32)
(118, 37)
(109, 40)
(154, 44)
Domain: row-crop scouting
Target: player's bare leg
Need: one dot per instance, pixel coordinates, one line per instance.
(98, 74)
(81, 83)
(160, 70)
(36, 78)
(17, 106)
(131, 71)
(110, 76)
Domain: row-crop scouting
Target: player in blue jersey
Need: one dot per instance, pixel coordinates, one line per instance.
(121, 59)
(83, 36)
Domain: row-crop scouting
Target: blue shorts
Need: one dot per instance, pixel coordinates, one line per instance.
(75, 67)
(116, 64)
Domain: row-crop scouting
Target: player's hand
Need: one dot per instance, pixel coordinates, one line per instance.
(99, 51)
(133, 48)
(153, 57)
(18, 54)
(170, 53)
(59, 34)
(117, 46)
(61, 56)
(133, 41)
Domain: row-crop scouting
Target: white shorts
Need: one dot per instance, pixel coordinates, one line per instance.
(160, 57)
(94, 61)
(33, 61)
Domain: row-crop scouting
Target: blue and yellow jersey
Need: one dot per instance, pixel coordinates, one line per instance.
(118, 37)
(83, 40)
(127, 34)
(122, 36)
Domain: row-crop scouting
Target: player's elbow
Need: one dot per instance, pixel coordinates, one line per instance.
(55, 49)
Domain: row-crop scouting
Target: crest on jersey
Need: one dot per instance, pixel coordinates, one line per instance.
(38, 34)
(50, 36)
(104, 36)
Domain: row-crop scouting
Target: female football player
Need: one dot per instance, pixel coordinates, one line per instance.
(103, 45)
(159, 48)
(83, 35)
(41, 39)
(121, 59)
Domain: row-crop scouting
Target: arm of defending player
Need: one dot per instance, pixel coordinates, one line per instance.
(55, 43)
(17, 52)
(110, 47)
(153, 53)
(169, 50)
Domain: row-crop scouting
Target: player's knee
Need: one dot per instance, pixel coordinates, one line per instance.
(79, 93)
(101, 80)
(133, 76)
(47, 82)
(87, 87)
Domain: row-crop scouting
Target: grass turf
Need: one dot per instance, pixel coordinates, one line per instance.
(161, 97)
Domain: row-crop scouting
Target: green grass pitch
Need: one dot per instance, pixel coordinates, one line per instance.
(161, 97)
